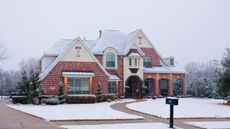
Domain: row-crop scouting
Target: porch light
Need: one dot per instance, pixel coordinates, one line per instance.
(91, 84)
(65, 82)
(117, 87)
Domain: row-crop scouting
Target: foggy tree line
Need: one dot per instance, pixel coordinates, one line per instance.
(210, 79)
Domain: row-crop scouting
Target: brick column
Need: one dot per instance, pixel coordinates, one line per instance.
(170, 85)
(184, 87)
(157, 86)
(170, 88)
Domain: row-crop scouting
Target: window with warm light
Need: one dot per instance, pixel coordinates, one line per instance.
(78, 86)
(112, 87)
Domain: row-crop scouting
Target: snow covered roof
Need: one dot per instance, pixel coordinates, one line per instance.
(165, 69)
(114, 77)
(115, 39)
(61, 45)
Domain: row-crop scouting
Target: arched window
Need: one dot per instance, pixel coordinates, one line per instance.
(110, 59)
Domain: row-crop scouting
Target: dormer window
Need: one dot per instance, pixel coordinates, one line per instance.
(110, 60)
(172, 62)
(78, 54)
(139, 39)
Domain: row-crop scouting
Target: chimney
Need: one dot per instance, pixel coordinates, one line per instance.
(100, 33)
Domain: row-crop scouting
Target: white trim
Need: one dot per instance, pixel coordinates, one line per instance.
(114, 78)
(78, 74)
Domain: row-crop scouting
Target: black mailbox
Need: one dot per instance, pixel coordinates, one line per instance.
(172, 100)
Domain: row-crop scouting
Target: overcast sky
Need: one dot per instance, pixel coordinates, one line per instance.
(189, 30)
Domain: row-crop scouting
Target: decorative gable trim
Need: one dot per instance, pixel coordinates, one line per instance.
(132, 42)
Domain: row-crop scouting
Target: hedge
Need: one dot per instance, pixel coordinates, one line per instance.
(19, 99)
(73, 99)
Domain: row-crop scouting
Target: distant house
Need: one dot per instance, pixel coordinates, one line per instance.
(125, 64)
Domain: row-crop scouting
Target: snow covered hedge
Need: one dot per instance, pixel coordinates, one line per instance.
(19, 99)
(72, 99)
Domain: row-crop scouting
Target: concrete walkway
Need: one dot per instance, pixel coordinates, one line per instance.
(12, 119)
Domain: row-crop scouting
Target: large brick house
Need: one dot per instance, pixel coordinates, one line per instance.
(125, 64)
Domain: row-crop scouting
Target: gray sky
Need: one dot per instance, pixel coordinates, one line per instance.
(189, 30)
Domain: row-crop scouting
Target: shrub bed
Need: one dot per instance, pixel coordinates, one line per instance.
(109, 97)
(19, 99)
(73, 99)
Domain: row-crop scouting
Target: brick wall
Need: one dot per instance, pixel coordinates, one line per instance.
(152, 53)
(50, 82)
(169, 77)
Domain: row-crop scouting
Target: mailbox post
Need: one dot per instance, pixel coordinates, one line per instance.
(171, 101)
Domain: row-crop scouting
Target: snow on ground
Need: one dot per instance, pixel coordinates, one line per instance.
(96, 111)
(120, 126)
(4, 97)
(187, 108)
(211, 124)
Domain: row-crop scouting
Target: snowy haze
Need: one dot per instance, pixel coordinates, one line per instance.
(190, 30)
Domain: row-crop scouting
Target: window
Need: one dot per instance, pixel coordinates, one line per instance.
(78, 86)
(78, 51)
(171, 62)
(147, 62)
(130, 61)
(112, 87)
(110, 59)
(135, 61)
(139, 39)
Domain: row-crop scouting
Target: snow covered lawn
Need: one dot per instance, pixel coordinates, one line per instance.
(97, 111)
(120, 126)
(187, 108)
(211, 124)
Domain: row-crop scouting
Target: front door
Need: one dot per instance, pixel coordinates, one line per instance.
(134, 84)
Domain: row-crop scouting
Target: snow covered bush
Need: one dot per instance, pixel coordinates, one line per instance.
(202, 88)
(73, 99)
(52, 101)
(109, 97)
(99, 94)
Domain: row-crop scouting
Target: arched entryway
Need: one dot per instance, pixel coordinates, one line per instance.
(133, 87)
(177, 87)
(164, 83)
(148, 88)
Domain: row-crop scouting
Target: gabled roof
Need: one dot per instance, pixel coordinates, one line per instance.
(62, 53)
(166, 69)
(115, 39)
(61, 45)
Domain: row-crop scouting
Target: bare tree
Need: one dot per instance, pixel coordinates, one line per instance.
(29, 64)
(2, 52)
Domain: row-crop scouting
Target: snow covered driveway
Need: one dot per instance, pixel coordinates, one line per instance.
(120, 126)
(211, 124)
(187, 108)
(97, 111)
